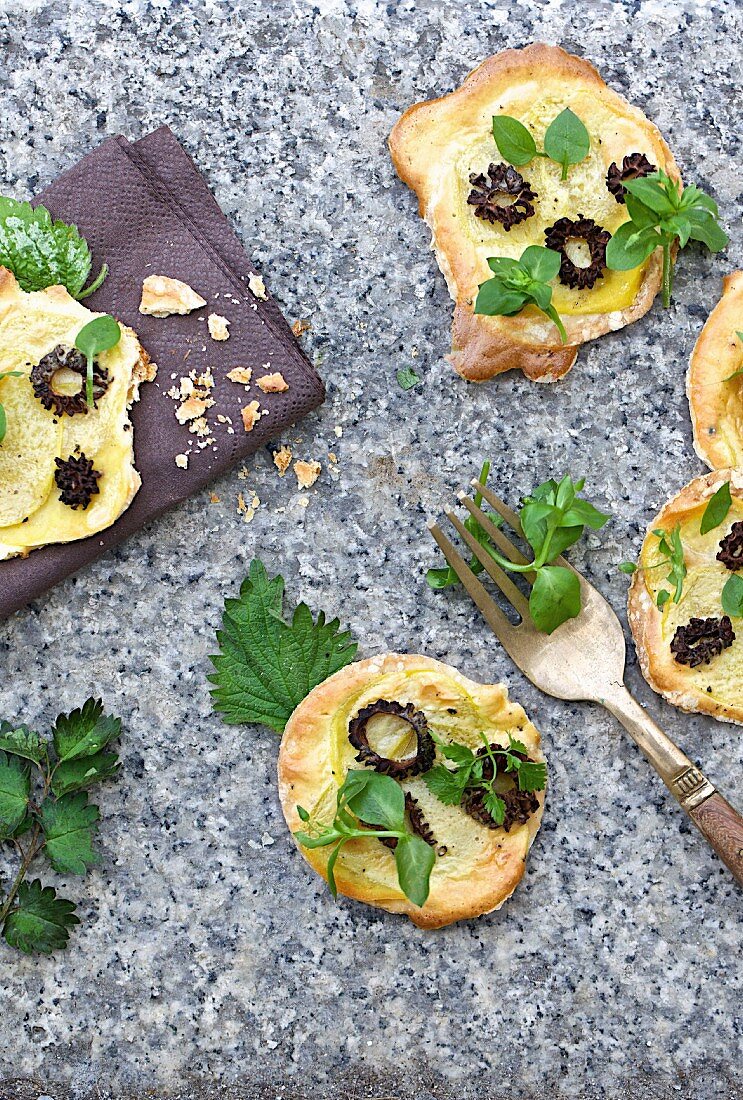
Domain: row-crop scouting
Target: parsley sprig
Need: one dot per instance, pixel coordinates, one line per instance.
(444, 578)
(41, 252)
(553, 518)
(519, 283)
(450, 784)
(44, 809)
(566, 141)
(379, 802)
(267, 663)
(662, 212)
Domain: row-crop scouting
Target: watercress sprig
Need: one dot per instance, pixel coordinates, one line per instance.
(672, 551)
(3, 415)
(378, 801)
(566, 141)
(100, 334)
(44, 809)
(663, 212)
(449, 784)
(518, 283)
(444, 578)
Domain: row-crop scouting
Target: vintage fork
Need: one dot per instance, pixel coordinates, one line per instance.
(584, 659)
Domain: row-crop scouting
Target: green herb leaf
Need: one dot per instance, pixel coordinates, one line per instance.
(84, 732)
(630, 246)
(41, 922)
(267, 666)
(99, 335)
(379, 802)
(15, 789)
(628, 567)
(69, 825)
(407, 378)
(566, 140)
(21, 741)
(79, 774)
(41, 252)
(662, 598)
(495, 806)
(532, 776)
(518, 283)
(717, 509)
(554, 598)
(732, 596)
(515, 143)
(414, 860)
(448, 786)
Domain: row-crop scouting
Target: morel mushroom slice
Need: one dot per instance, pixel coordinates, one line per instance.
(731, 548)
(63, 358)
(700, 640)
(501, 196)
(398, 769)
(596, 238)
(77, 480)
(634, 167)
(520, 805)
(418, 825)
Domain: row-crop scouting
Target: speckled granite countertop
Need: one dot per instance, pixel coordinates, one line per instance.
(211, 962)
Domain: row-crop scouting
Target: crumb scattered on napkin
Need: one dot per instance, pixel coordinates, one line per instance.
(218, 327)
(251, 414)
(241, 375)
(163, 296)
(273, 383)
(257, 287)
(307, 473)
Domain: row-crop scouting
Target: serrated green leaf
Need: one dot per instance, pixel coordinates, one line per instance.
(446, 785)
(41, 252)
(79, 774)
(21, 741)
(15, 788)
(267, 666)
(495, 806)
(41, 921)
(84, 732)
(532, 776)
(69, 825)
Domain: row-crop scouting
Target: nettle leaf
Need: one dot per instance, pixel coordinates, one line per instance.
(732, 596)
(515, 143)
(41, 252)
(267, 666)
(414, 860)
(79, 774)
(567, 140)
(21, 741)
(554, 598)
(84, 732)
(717, 509)
(69, 825)
(15, 790)
(41, 921)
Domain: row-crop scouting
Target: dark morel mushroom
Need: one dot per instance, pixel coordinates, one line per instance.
(731, 548)
(418, 824)
(634, 167)
(63, 358)
(584, 229)
(700, 640)
(398, 769)
(77, 480)
(501, 196)
(520, 805)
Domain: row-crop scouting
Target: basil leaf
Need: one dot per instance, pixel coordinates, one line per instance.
(555, 597)
(542, 264)
(515, 143)
(414, 859)
(494, 299)
(629, 247)
(379, 802)
(732, 596)
(717, 509)
(566, 140)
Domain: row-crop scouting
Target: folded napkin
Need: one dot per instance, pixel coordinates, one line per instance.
(145, 210)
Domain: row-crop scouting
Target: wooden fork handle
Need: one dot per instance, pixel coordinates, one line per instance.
(718, 821)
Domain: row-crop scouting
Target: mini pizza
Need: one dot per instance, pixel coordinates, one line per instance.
(66, 468)
(686, 598)
(393, 714)
(479, 207)
(715, 380)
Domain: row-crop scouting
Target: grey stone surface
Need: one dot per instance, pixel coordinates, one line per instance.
(210, 962)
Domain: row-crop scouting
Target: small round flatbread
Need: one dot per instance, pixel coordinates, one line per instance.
(714, 385)
(481, 866)
(717, 687)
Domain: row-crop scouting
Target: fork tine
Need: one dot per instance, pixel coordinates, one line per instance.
(493, 615)
(504, 582)
(495, 534)
(495, 502)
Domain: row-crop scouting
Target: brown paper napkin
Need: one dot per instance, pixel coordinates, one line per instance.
(145, 210)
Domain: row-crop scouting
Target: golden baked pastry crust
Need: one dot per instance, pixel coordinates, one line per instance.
(482, 867)
(653, 629)
(716, 399)
(435, 145)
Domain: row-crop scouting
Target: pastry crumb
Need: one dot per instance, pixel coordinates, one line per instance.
(192, 408)
(214, 499)
(251, 415)
(247, 509)
(181, 462)
(307, 473)
(241, 375)
(282, 460)
(218, 327)
(303, 502)
(273, 383)
(163, 296)
(299, 327)
(257, 287)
